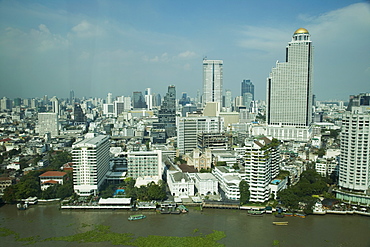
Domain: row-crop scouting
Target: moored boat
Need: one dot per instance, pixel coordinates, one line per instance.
(300, 215)
(280, 223)
(137, 217)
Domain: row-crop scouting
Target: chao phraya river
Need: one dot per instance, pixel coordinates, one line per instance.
(240, 229)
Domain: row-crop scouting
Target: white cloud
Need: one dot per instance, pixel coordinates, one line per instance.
(187, 54)
(85, 30)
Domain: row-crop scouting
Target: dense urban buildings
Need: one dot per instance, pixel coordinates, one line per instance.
(212, 81)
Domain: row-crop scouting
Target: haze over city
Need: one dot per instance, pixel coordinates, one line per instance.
(97, 47)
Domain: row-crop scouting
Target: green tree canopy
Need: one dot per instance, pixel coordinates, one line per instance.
(244, 192)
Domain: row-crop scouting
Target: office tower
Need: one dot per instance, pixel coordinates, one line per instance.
(48, 122)
(119, 106)
(247, 100)
(167, 114)
(108, 110)
(78, 114)
(71, 97)
(228, 98)
(127, 103)
(55, 105)
(289, 90)
(212, 81)
(6, 104)
(142, 164)
(138, 100)
(17, 102)
(189, 128)
(185, 100)
(90, 164)
(109, 98)
(247, 87)
(354, 170)
(149, 98)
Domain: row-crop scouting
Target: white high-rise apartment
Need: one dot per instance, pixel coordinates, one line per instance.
(212, 81)
(289, 91)
(48, 122)
(261, 166)
(189, 128)
(90, 164)
(354, 170)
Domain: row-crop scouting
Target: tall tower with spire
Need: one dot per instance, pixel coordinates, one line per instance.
(289, 87)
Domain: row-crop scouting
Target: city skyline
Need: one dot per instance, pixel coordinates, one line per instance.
(94, 48)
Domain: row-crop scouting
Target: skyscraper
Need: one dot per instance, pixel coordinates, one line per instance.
(289, 91)
(48, 122)
(167, 114)
(138, 100)
(289, 86)
(212, 81)
(354, 170)
(247, 87)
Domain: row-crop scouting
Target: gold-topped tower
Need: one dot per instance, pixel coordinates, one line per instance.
(301, 31)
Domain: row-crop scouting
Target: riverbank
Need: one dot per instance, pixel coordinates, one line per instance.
(48, 221)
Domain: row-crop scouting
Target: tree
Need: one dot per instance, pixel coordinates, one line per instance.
(244, 192)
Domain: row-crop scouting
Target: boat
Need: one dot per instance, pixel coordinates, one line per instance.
(183, 209)
(280, 223)
(300, 215)
(22, 206)
(255, 212)
(279, 215)
(137, 217)
(288, 214)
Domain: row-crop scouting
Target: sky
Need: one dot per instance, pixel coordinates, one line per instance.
(96, 47)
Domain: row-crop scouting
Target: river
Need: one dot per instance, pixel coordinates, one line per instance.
(241, 229)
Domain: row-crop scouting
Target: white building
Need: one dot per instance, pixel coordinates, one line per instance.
(48, 122)
(212, 81)
(145, 164)
(91, 164)
(289, 89)
(206, 184)
(354, 170)
(229, 181)
(189, 127)
(180, 184)
(261, 163)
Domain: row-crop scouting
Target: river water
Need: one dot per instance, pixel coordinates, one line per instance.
(241, 229)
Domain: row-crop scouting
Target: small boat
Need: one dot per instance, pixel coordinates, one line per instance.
(280, 223)
(137, 217)
(22, 206)
(288, 214)
(279, 215)
(255, 212)
(183, 209)
(300, 215)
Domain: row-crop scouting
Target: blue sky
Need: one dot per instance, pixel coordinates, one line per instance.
(97, 47)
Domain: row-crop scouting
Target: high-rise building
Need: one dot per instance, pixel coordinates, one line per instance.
(212, 81)
(71, 97)
(261, 162)
(138, 100)
(55, 105)
(109, 98)
(90, 164)
(228, 99)
(289, 86)
(189, 128)
(289, 91)
(149, 98)
(48, 122)
(78, 114)
(167, 113)
(5, 104)
(354, 170)
(247, 87)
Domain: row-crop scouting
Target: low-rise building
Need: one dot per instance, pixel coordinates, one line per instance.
(206, 184)
(180, 184)
(50, 178)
